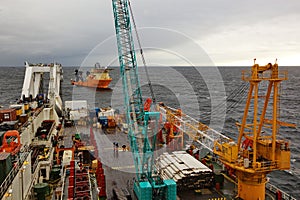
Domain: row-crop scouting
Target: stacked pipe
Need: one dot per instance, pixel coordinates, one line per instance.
(100, 180)
(185, 170)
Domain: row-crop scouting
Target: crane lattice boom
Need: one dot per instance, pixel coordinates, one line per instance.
(142, 125)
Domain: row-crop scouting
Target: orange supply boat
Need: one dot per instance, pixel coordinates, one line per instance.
(98, 77)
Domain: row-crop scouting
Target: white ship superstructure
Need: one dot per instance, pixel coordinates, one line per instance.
(36, 124)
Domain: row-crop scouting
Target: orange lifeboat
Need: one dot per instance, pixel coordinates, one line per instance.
(11, 146)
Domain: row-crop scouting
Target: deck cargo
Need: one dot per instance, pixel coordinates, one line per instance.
(8, 115)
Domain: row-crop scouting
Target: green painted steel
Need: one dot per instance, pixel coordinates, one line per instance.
(129, 73)
(42, 190)
(5, 165)
(143, 190)
(142, 139)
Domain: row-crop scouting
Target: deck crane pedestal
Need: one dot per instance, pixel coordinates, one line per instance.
(258, 151)
(142, 125)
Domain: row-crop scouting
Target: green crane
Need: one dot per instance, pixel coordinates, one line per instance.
(142, 125)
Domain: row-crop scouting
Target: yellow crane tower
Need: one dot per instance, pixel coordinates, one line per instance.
(258, 151)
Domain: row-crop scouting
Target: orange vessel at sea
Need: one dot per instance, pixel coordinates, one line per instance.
(98, 78)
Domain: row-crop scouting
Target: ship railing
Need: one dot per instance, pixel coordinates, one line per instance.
(199, 132)
(275, 190)
(260, 166)
(51, 130)
(49, 134)
(38, 111)
(43, 162)
(14, 171)
(37, 142)
(265, 166)
(34, 177)
(37, 165)
(34, 166)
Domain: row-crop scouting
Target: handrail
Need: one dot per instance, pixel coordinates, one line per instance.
(37, 164)
(275, 189)
(14, 171)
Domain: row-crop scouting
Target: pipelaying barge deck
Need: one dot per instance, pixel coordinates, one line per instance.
(51, 154)
(120, 172)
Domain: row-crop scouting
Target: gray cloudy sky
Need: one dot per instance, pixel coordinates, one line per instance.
(173, 32)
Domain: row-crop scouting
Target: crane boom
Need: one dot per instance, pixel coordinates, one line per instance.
(142, 125)
(196, 130)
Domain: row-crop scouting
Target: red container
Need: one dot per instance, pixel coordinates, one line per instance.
(71, 180)
(23, 118)
(102, 192)
(99, 163)
(100, 171)
(72, 163)
(70, 191)
(101, 180)
(78, 179)
(72, 171)
(84, 178)
(8, 115)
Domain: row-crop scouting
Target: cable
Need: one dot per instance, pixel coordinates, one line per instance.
(240, 92)
(142, 55)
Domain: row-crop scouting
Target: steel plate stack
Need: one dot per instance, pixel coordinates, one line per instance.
(185, 170)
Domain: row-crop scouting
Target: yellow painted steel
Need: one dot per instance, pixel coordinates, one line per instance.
(259, 153)
(19, 111)
(228, 151)
(26, 106)
(251, 187)
(172, 119)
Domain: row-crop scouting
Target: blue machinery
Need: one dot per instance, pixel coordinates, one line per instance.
(142, 126)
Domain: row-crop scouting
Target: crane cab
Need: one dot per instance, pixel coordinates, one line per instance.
(227, 151)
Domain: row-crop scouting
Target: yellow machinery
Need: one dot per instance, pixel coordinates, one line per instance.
(258, 151)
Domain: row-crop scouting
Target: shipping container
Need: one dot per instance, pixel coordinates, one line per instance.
(19, 109)
(23, 118)
(8, 115)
